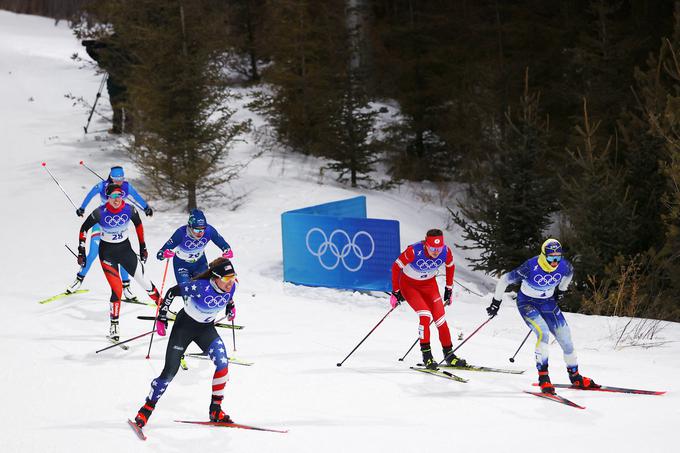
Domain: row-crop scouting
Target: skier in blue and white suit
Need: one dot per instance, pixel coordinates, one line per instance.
(187, 246)
(544, 279)
(116, 176)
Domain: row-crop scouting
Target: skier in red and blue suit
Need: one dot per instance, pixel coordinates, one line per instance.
(544, 279)
(187, 246)
(413, 280)
(205, 296)
(116, 176)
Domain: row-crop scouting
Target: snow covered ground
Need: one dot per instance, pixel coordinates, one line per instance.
(58, 395)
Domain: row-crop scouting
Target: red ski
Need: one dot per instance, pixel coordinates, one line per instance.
(555, 398)
(137, 429)
(232, 425)
(605, 388)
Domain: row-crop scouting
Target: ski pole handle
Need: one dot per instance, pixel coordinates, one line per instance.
(91, 170)
(512, 359)
(367, 335)
(44, 164)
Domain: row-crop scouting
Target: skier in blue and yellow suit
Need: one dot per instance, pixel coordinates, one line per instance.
(544, 279)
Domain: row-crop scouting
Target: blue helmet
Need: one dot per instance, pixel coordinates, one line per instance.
(197, 219)
(117, 173)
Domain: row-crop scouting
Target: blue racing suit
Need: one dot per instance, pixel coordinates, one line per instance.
(538, 307)
(190, 259)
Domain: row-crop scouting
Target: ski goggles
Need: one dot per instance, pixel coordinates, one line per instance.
(228, 278)
(553, 258)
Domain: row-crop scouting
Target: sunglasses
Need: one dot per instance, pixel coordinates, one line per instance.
(198, 230)
(553, 258)
(115, 195)
(435, 249)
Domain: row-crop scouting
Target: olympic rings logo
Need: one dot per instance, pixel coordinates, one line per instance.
(116, 220)
(191, 244)
(216, 301)
(544, 280)
(340, 253)
(429, 264)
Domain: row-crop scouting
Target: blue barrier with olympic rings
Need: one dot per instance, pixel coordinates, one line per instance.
(337, 246)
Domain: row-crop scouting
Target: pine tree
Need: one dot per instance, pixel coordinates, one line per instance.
(178, 93)
(600, 215)
(507, 209)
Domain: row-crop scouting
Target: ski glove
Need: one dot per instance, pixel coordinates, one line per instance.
(148, 211)
(143, 253)
(80, 212)
(162, 254)
(228, 254)
(448, 295)
(396, 298)
(492, 309)
(559, 294)
(231, 311)
(82, 259)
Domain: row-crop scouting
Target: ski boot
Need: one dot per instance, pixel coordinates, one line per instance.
(144, 413)
(76, 284)
(452, 359)
(544, 381)
(579, 381)
(114, 333)
(428, 359)
(127, 294)
(216, 413)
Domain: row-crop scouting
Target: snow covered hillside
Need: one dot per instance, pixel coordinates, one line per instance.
(59, 396)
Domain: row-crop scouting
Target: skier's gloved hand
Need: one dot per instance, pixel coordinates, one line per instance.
(143, 253)
(228, 254)
(492, 309)
(448, 295)
(396, 298)
(80, 212)
(559, 294)
(162, 321)
(82, 259)
(148, 211)
(231, 311)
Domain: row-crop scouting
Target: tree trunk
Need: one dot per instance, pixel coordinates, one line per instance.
(191, 197)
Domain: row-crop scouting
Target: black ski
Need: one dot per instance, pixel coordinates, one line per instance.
(234, 360)
(218, 324)
(233, 425)
(441, 373)
(555, 398)
(605, 388)
(479, 368)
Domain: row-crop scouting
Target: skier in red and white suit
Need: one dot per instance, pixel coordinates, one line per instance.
(413, 280)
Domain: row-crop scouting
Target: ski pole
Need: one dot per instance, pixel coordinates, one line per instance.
(44, 164)
(91, 170)
(512, 359)
(367, 335)
(468, 289)
(126, 341)
(99, 93)
(158, 307)
(233, 334)
(69, 249)
(412, 346)
(464, 341)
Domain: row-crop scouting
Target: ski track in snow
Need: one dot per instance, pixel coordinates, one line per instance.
(59, 396)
